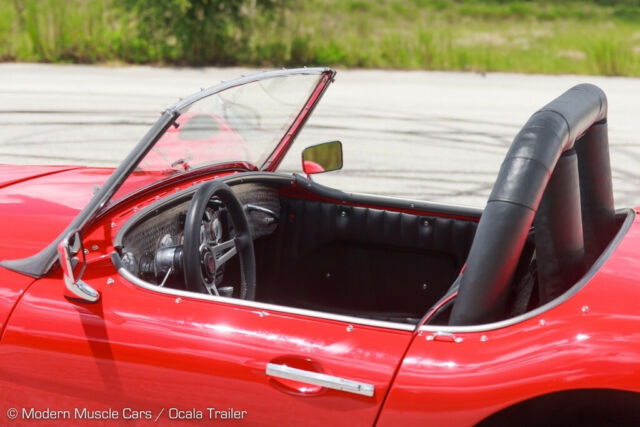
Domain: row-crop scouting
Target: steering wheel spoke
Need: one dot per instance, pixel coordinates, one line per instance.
(218, 248)
(219, 253)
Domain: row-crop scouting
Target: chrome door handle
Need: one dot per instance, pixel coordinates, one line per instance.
(322, 380)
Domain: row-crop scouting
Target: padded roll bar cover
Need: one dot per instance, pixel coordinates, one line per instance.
(598, 209)
(559, 239)
(479, 303)
(515, 198)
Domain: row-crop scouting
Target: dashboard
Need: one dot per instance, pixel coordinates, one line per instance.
(150, 243)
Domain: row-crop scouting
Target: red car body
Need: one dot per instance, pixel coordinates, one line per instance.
(144, 356)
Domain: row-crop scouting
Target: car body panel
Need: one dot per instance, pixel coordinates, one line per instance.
(591, 341)
(11, 174)
(43, 205)
(12, 288)
(139, 348)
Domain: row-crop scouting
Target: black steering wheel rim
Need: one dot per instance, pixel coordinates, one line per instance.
(201, 258)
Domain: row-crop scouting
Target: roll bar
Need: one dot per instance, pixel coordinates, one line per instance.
(518, 191)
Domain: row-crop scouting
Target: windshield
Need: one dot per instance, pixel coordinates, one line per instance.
(241, 124)
(253, 119)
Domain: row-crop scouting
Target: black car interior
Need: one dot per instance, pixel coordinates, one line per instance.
(359, 260)
(320, 249)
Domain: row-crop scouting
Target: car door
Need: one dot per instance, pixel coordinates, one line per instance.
(139, 354)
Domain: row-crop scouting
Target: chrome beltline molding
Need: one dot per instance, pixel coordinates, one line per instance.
(264, 306)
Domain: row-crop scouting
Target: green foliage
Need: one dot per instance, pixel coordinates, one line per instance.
(539, 36)
(174, 31)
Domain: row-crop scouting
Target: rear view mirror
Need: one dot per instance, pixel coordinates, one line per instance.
(323, 157)
(73, 263)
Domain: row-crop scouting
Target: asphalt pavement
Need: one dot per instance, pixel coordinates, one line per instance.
(438, 136)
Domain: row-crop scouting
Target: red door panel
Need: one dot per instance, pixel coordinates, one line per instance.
(146, 351)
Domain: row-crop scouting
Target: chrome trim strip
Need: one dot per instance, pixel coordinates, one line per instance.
(626, 225)
(253, 207)
(322, 380)
(250, 78)
(265, 306)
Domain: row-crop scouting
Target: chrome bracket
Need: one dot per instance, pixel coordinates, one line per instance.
(71, 253)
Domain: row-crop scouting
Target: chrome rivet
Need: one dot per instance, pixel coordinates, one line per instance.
(413, 205)
(343, 213)
(542, 322)
(94, 247)
(21, 291)
(135, 209)
(178, 300)
(458, 339)
(113, 225)
(430, 337)
(484, 338)
(585, 309)
(85, 251)
(426, 223)
(263, 313)
(110, 281)
(349, 328)
(424, 286)
(328, 275)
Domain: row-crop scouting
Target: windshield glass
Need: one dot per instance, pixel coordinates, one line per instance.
(241, 124)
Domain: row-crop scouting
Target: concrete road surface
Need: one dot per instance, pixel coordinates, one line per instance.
(424, 135)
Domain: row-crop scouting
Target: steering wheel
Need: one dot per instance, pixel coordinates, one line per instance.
(204, 255)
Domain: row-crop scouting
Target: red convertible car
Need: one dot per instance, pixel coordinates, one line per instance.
(194, 282)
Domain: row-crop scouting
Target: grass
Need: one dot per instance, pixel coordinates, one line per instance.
(589, 37)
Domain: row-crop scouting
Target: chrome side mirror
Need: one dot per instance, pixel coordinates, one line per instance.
(321, 158)
(73, 263)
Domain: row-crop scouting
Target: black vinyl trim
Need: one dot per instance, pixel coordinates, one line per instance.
(382, 201)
